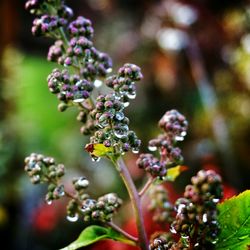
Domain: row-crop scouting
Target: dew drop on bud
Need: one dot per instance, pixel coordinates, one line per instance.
(78, 100)
(126, 104)
(214, 241)
(131, 96)
(109, 70)
(119, 116)
(95, 158)
(83, 182)
(172, 230)
(97, 83)
(119, 133)
(215, 200)
(183, 133)
(152, 148)
(204, 218)
(179, 138)
(60, 191)
(72, 218)
(135, 150)
(185, 237)
(49, 202)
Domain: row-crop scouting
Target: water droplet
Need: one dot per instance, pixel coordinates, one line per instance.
(184, 237)
(204, 218)
(183, 133)
(49, 202)
(109, 70)
(98, 83)
(73, 218)
(179, 138)
(111, 198)
(103, 121)
(135, 150)
(95, 158)
(78, 100)
(59, 191)
(119, 116)
(126, 104)
(214, 241)
(172, 230)
(132, 95)
(31, 165)
(120, 133)
(35, 178)
(216, 200)
(152, 148)
(180, 207)
(88, 205)
(83, 182)
(37, 167)
(121, 92)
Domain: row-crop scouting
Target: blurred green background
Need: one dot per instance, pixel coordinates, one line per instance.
(195, 57)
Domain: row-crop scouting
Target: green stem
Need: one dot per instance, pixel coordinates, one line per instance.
(63, 36)
(136, 202)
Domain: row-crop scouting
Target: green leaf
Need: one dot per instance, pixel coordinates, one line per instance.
(173, 173)
(95, 233)
(99, 150)
(234, 220)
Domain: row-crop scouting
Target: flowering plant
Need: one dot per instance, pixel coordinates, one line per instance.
(194, 220)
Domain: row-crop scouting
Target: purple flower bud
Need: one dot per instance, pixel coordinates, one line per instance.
(85, 94)
(108, 104)
(67, 61)
(78, 51)
(73, 42)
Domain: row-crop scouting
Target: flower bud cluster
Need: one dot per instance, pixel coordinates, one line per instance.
(174, 125)
(81, 27)
(40, 168)
(112, 125)
(170, 154)
(68, 88)
(73, 47)
(151, 165)
(81, 54)
(197, 210)
(46, 25)
(160, 205)
(43, 169)
(160, 241)
(124, 82)
(40, 6)
(80, 185)
(101, 209)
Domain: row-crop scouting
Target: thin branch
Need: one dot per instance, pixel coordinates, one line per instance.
(146, 186)
(121, 231)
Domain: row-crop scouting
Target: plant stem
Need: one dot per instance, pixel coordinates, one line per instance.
(63, 36)
(136, 202)
(121, 231)
(146, 186)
